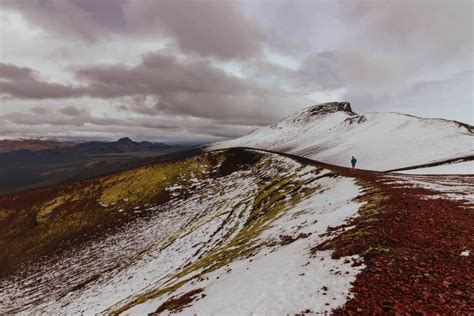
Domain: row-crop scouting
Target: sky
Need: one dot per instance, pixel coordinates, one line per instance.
(203, 71)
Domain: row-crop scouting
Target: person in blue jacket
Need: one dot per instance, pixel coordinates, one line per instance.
(353, 162)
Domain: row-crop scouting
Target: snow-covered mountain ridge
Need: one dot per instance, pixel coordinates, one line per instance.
(332, 133)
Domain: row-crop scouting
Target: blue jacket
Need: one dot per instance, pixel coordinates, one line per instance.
(353, 160)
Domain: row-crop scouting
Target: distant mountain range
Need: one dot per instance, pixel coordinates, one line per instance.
(122, 145)
(32, 144)
(68, 153)
(29, 166)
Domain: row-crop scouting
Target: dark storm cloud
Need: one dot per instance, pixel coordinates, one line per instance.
(206, 28)
(193, 88)
(161, 75)
(12, 72)
(23, 83)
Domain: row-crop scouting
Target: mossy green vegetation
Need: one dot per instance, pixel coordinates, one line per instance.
(143, 183)
(51, 220)
(49, 207)
(76, 212)
(272, 199)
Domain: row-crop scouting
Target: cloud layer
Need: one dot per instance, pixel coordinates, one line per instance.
(207, 70)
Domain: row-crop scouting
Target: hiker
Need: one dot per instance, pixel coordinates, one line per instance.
(353, 162)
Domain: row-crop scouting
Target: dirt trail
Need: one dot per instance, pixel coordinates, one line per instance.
(411, 239)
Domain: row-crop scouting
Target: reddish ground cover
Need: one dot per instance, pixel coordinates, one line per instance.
(411, 242)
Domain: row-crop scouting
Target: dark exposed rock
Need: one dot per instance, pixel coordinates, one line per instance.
(330, 107)
(355, 119)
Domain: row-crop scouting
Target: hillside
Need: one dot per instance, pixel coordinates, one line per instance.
(205, 228)
(239, 231)
(333, 133)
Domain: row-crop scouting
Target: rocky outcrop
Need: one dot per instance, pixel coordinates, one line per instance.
(330, 107)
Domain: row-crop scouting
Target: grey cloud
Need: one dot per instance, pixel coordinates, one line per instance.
(59, 17)
(33, 89)
(383, 56)
(12, 72)
(49, 122)
(70, 111)
(29, 119)
(193, 88)
(158, 74)
(445, 98)
(59, 118)
(437, 28)
(22, 83)
(381, 49)
(206, 28)
(40, 110)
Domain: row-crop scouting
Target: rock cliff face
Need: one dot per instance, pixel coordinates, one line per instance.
(330, 107)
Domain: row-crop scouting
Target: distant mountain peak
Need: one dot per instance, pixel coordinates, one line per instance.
(125, 140)
(329, 107)
(318, 111)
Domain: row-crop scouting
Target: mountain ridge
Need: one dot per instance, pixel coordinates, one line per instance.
(25, 169)
(208, 233)
(332, 132)
(32, 144)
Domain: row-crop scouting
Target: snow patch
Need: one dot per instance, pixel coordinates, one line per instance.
(466, 167)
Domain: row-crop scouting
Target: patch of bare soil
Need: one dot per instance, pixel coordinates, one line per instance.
(179, 303)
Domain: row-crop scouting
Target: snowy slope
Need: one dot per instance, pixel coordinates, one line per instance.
(236, 242)
(464, 167)
(332, 133)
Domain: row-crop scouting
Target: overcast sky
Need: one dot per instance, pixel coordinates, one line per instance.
(176, 70)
